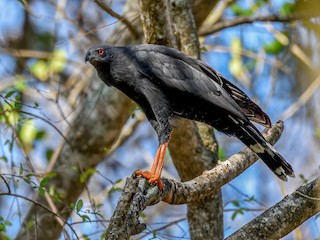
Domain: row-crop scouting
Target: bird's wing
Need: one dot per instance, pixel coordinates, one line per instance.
(170, 69)
(186, 73)
(250, 109)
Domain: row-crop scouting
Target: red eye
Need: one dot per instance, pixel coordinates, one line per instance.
(101, 51)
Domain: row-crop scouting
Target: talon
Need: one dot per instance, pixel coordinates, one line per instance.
(150, 177)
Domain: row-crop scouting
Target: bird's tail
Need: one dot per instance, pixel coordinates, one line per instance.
(252, 138)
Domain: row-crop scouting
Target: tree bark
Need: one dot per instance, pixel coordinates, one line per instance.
(284, 216)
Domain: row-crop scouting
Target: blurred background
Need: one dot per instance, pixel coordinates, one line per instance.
(44, 83)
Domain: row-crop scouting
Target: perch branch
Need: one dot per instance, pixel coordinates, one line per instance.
(138, 193)
(284, 216)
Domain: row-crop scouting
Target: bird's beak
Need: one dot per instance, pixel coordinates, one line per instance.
(88, 57)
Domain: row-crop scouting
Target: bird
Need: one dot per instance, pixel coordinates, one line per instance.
(167, 84)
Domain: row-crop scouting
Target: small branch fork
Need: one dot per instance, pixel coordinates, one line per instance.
(138, 193)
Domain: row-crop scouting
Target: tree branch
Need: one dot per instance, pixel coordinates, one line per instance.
(243, 20)
(123, 19)
(138, 193)
(285, 216)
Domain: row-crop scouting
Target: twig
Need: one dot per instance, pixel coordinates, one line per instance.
(243, 20)
(42, 206)
(112, 13)
(303, 99)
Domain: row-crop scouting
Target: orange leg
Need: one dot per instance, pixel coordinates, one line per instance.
(156, 169)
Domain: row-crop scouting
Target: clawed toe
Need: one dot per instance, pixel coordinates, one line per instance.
(152, 178)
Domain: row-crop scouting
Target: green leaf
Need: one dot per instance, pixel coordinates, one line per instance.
(114, 189)
(9, 94)
(20, 83)
(28, 132)
(7, 223)
(18, 97)
(87, 174)
(236, 203)
(221, 154)
(41, 134)
(85, 218)
(27, 179)
(239, 11)
(35, 104)
(17, 105)
(40, 70)
(317, 132)
(20, 169)
(79, 205)
(274, 47)
(58, 61)
(2, 227)
(287, 8)
(1, 218)
(4, 158)
(103, 236)
(43, 182)
(118, 181)
(42, 192)
(49, 153)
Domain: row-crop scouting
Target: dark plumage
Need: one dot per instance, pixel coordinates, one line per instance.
(168, 84)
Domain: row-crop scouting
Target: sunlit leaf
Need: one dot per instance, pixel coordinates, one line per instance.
(40, 70)
(239, 11)
(287, 8)
(20, 83)
(221, 154)
(274, 47)
(58, 61)
(28, 132)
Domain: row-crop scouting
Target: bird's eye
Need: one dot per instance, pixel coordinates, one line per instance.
(101, 51)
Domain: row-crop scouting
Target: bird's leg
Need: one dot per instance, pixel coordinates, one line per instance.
(155, 173)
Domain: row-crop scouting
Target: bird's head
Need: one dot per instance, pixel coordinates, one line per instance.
(99, 54)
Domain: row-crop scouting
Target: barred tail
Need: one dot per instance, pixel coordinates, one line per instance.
(252, 138)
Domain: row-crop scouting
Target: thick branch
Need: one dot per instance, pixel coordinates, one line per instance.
(285, 216)
(138, 193)
(243, 20)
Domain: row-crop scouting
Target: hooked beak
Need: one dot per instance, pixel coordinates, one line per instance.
(88, 57)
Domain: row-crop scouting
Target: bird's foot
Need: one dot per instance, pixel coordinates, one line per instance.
(152, 178)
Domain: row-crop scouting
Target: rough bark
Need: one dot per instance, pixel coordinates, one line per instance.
(139, 194)
(284, 216)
